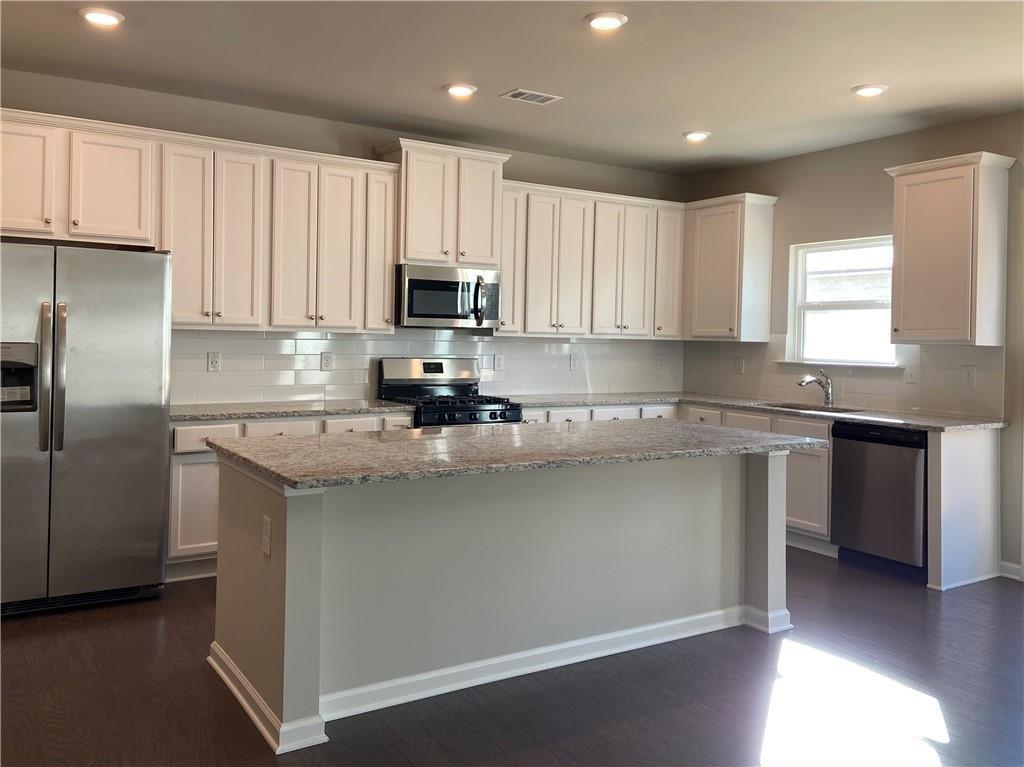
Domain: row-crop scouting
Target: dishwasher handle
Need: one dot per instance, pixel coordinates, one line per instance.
(880, 435)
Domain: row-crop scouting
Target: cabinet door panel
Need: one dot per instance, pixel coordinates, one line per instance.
(479, 211)
(750, 421)
(542, 264)
(616, 414)
(668, 281)
(933, 262)
(238, 245)
(28, 163)
(111, 187)
(513, 261)
(380, 251)
(637, 271)
(341, 251)
(807, 492)
(609, 224)
(706, 416)
(195, 498)
(717, 240)
(569, 415)
(429, 206)
(187, 230)
(575, 265)
(346, 425)
(293, 254)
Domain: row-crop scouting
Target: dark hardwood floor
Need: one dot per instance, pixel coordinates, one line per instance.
(878, 672)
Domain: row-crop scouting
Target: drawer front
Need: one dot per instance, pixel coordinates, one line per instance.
(659, 411)
(345, 425)
(397, 422)
(192, 439)
(616, 413)
(802, 427)
(272, 428)
(704, 415)
(568, 415)
(535, 416)
(748, 421)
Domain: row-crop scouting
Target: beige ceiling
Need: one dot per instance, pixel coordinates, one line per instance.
(769, 79)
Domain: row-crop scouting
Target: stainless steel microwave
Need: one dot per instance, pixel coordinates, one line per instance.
(447, 297)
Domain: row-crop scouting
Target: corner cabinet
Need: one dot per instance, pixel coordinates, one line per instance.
(449, 203)
(727, 256)
(949, 250)
(623, 294)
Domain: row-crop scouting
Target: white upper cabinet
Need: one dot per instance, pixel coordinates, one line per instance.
(623, 269)
(541, 314)
(728, 267)
(239, 246)
(949, 250)
(668, 273)
(111, 187)
(450, 203)
(381, 205)
(293, 254)
(341, 249)
(513, 261)
(187, 230)
(28, 169)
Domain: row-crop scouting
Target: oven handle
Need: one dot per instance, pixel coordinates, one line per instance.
(479, 299)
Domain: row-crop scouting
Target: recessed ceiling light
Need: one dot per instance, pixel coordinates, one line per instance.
(869, 90)
(606, 21)
(697, 136)
(460, 90)
(102, 17)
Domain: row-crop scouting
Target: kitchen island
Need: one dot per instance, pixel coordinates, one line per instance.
(358, 571)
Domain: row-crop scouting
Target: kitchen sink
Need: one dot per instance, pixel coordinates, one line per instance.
(800, 406)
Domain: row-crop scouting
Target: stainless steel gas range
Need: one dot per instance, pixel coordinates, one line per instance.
(445, 392)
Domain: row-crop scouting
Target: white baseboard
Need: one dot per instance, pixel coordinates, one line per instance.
(281, 737)
(1011, 570)
(190, 569)
(392, 692)
(769, 623)
(812, 544)
(965, 582)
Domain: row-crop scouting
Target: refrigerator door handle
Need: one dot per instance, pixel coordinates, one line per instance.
(45, 372)
(60, 375)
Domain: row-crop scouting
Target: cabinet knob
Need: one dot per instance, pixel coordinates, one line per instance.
(462, 253)
(659, 416)
(503, 323)
(895, 330)
(387, 321)
(322, 317)
(625, 327)
(561, 324)
(74, 221)
(311, 316)
(615, 418)
(568, 420)
(220, 314)
(207, 313)
(354, 429)
(659, 327)
(732, 330)
(554, 324)
(48, 220)
(446, 252)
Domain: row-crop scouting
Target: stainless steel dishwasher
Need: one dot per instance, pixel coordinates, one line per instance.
(879, 491)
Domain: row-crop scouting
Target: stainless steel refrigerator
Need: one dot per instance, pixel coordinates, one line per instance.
(85, 348)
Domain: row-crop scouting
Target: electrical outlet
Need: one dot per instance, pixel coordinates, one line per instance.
(326, 361)
(911, 374)
(970, 376)
(499, 361)
(487, 362)
(661, 361)
(213, 362)
(574, 362)
(739, 365)
(265, 544)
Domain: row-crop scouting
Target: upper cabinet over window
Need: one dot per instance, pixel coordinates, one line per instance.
(949, 240)
(449, 203)
(728, 256)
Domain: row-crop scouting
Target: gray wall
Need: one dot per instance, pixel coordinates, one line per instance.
(132, 106)
(844, 192)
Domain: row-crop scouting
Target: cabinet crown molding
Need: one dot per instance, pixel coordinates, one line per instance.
(748, 198)
(400, 144)
(530, 186)
(974, 158)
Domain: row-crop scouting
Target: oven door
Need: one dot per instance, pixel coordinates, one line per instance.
(448, 297)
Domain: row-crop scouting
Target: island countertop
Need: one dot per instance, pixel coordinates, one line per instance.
(330, 460)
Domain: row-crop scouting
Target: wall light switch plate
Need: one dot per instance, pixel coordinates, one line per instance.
(499, 361)
(326, 361)
(487, 362)
(739, 365)
(213, 362)
(574, 362)
(265, 543)
(911, 374)
(970, 376)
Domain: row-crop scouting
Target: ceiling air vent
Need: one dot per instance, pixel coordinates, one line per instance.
(530, 97)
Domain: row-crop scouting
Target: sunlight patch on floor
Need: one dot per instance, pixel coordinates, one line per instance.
(827, 710)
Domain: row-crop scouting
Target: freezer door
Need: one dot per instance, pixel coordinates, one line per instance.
(26, 300)
(878, 499)
(110, 420)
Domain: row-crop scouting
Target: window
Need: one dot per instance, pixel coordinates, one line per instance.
(842, 307)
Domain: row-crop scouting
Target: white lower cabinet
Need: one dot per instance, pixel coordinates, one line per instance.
(659, 411)
(192, 527)
(534, 415)
(345, 425)
(616, 413)
(568, 415)
(750, 421)
(280, 428)
(807, 478)
(705, 415)
(397, 422)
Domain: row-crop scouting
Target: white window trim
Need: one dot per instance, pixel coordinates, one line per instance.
(798, 307)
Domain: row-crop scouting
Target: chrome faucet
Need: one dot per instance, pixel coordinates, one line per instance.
(823, 381)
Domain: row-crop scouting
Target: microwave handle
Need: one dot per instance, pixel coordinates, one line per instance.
(479, 299)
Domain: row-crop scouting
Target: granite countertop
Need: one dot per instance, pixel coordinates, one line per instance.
(330, 460)
(911, 420)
